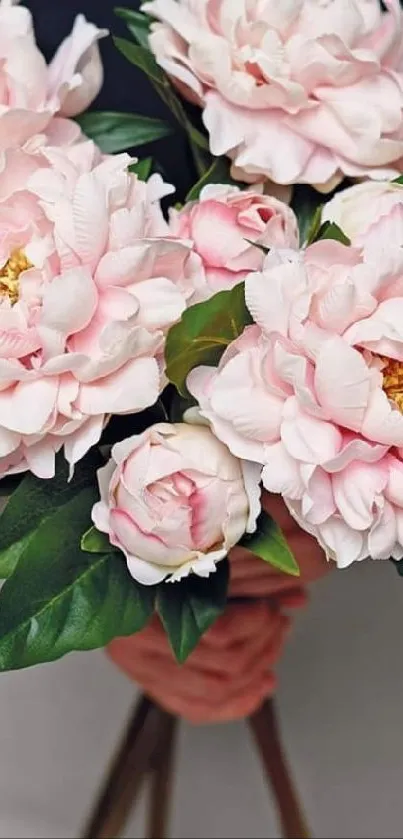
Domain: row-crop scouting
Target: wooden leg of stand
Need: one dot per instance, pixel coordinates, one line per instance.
(161, 781)
(127, 773)
(265, 730)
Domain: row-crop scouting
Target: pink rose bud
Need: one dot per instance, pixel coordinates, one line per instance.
(175, 500)
(226, 227)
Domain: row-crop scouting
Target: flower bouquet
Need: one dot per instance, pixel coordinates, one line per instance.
(201, 396)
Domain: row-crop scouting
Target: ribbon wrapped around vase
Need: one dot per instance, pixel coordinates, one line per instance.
(231, 671)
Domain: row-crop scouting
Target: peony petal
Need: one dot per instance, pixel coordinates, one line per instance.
(342, 383)
(199, 383)
(344, 544)
(75, 73)
(252, 473)
(307, 438)
(90, 219)
(270, 295)
(203, 565)
(79, 443)
(161, 303)
(355, 490)
(281, 473)
(60, 311)
(41, 458)
(382, 332)
(383, 534)
(145, 573)
(133, 388)
(383, 423)
(145, 546)
(355, 449)
(9, 441)
(27, 408)
(238, 397)
(100, 516)
(318, 503)
(394, 489)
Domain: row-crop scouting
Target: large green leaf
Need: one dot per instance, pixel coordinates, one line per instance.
(137, 24)
(33, 502)
(188, 609)
(142, 58)
(270, 545)
(115, 132)
(60, 599)
(218, 173)
(203, 334)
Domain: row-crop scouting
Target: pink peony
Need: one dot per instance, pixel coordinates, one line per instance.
(223, 223)
(87, 294)
(299, 91)
(314, 391)
(175, 501)
(31, 92)
(357, 209)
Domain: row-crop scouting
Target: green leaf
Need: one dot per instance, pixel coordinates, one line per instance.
(305, 203)
(195, 136)
(314, 229)
(189, 608)
(60, 599)
(116, 132)
(141, 58)
(95, 542)
(137, 24)
(398, 180)
(331, 230)
(33, 502)
(270, 545)
(218, 173)
(145, 61)
(203, 334)
(142, 168)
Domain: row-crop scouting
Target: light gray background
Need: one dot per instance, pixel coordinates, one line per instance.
(341, 701)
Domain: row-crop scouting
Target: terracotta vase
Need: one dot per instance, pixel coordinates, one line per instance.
(231, 671)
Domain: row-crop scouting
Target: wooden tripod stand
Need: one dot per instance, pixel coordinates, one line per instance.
(146, 753)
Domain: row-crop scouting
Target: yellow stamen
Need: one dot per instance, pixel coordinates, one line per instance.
(10, 275)
(393, 381)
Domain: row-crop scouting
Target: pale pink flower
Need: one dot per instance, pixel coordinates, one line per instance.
(225, 226)
(88, 291)
(361, 207)
(314, 391)
(299, 91)
(32, 92)
(175, 501)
